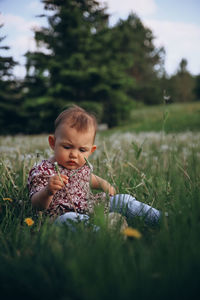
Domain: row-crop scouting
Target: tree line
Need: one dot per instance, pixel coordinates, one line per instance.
(106, 69)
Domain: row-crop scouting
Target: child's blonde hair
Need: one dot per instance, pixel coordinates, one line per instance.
(78, 118)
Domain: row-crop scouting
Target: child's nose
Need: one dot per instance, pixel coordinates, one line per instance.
(73, 154)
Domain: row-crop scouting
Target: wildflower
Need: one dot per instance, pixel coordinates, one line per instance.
(29, 221)
(20, 202)
(8, 199)
(131, 232)
(56, 166)
(166, 97)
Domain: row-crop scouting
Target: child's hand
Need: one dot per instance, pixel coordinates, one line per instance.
(111, 190)
(55, 184)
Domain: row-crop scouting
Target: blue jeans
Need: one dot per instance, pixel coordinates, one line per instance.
(122, 203)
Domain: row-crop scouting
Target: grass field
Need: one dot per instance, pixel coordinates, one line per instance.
(45, 261)
(174, 117)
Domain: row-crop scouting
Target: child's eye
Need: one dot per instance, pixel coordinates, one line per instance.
(82, 150)
(66, 147)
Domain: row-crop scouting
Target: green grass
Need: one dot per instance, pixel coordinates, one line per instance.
(160, 168)
(46, 261)
(180, 117)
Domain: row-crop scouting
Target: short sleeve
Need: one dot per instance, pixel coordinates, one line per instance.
(38, 178)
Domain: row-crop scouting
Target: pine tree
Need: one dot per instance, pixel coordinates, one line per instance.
(197, 87)
(79, 68)
(182, 84)
(10, 96)
(134, 45)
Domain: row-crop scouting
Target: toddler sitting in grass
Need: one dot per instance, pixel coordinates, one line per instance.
(61, 184)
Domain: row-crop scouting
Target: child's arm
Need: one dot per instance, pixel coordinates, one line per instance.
(100, 183)
(43, 198)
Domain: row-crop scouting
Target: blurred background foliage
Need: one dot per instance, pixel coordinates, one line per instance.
(81, 59)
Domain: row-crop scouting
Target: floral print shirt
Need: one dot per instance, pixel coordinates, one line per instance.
(75, 195)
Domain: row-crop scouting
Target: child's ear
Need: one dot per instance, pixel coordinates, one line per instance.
(94, 147)
(51, 140)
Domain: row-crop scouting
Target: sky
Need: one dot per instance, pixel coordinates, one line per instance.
(175, 25)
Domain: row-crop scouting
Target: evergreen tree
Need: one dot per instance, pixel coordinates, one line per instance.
(133, 44)
(197, 88)
(78, 67)
(182, 84)
(89, 63)
(10, 95)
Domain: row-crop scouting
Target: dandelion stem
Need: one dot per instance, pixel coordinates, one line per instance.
(58, 172)
(88, 163)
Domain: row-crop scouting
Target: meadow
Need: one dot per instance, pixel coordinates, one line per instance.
(177, 117)
(46, 261)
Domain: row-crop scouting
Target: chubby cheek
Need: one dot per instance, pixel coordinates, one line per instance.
(86, 155)
(61, 154)
(82, 158)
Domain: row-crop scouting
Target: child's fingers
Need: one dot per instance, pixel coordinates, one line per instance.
(64, 178)
(60, 178)
(55, 181)
(55, 184)
(56, 187)
(112, 191)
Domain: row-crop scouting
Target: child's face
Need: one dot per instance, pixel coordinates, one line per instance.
(70, 146)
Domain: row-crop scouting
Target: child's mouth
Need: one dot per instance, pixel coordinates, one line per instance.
(71, 163)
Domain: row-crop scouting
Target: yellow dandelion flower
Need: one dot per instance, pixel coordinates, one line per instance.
(131, 232)
(7, 199)
(29, 221)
